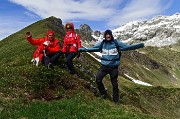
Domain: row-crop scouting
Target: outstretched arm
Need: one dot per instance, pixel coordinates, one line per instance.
(33, 41)
(96, 48)
(126, 47)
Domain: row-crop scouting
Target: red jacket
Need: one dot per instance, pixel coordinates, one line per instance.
(72, 41)
(51, 49)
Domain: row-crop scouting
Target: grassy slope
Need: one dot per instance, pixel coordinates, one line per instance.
(157, 67)
(27, 91)
(170, 59)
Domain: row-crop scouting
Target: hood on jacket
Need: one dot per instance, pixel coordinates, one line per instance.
(50, 32)
(110, 33)
(69, 24)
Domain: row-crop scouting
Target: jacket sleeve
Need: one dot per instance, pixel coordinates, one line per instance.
(96, 48)
(54, 49)
(126, 47)
(64, 45)
(78, 42)
(33, 41)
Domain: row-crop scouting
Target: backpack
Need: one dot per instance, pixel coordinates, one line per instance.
(117, 47)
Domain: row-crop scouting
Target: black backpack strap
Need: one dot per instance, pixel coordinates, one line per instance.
(101, 45)
(117, 47)
(116, 43)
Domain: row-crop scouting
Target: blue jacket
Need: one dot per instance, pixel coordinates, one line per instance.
(110, 56)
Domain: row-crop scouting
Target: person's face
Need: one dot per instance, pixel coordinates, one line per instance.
(51, 36)
(108, 37)
(68, 28)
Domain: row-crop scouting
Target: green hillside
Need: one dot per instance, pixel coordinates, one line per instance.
(31, 92)
(157, 67)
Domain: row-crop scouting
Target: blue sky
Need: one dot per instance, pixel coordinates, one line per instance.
(99, 14)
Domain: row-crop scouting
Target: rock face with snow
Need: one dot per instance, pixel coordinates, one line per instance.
(159, 31)
(97, 33)
(86, 32)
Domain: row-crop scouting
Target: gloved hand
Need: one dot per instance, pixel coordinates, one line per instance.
(28, 34)
(35, 61)
(46, 43)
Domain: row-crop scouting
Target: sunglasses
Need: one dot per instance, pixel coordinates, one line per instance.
(50, 35)
(69, 28)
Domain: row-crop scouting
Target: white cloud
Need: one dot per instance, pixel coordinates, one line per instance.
(95, 10)
(139, 10)
(71, 9)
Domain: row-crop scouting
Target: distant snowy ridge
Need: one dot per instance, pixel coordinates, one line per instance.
(158, 32)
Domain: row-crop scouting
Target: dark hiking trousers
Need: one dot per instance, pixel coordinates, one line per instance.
(69, 57)
(51, 59)
(113, 72)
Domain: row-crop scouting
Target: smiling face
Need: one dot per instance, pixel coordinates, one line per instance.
(108, 37)
(68, 27)
(51, 36)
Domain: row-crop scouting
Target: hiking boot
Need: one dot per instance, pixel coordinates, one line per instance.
(104, 96)
(50, 66)
(116, 98)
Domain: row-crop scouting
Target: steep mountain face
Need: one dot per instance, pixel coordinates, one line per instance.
(56, 25)
(85, 32)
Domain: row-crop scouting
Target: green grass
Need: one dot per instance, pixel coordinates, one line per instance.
(77, 107)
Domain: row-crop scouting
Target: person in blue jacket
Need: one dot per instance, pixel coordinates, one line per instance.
(110, 61)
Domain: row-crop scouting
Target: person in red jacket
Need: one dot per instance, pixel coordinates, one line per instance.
(48, 50)
(71, 45)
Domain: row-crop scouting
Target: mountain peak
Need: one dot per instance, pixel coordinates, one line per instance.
(55, 24)
(159, 31)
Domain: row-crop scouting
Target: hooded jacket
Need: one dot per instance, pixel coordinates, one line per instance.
(52, 47)
(109, 51)
(72, 40)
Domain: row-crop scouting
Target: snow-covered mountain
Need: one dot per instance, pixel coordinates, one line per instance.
(159, 31)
